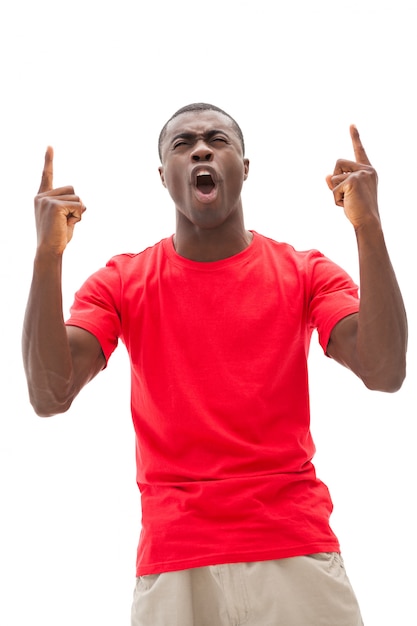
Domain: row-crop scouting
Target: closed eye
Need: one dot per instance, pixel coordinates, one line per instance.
(187, 139)
(222, 139)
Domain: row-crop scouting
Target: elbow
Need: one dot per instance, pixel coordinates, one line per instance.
(47, 406)
(386, 380)
(50, 395)
(45, 412)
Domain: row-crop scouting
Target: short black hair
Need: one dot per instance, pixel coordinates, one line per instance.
(199, 106)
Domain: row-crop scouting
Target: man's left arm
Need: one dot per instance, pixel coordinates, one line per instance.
(373, 342)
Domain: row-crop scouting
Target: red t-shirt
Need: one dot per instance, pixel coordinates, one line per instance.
(220, 401)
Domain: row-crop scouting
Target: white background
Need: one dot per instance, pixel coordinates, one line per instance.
(97, 80)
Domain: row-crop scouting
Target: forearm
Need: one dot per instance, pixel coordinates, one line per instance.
(46, 351)
(382, 324)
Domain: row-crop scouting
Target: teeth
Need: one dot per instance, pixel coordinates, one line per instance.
(203, 173)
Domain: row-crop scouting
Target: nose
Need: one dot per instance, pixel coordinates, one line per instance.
(202, 152)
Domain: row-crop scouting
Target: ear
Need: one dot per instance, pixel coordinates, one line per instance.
(161, 174)
(246, 168)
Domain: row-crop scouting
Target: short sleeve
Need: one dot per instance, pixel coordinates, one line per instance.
(96, 307)
(333, 296)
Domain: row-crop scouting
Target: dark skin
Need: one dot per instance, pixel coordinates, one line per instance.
(203, 168)
(209, 226)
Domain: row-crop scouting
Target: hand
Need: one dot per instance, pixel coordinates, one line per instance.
(56, 211)
(354, 185)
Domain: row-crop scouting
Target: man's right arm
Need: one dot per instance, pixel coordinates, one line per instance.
(58, 360)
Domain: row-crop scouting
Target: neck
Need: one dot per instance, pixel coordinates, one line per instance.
(208, 245)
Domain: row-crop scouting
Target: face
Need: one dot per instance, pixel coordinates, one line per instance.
(203, 168)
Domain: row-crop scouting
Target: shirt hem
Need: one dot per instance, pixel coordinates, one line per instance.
(241, 557)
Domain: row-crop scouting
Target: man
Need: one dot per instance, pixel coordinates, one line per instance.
(217, 322)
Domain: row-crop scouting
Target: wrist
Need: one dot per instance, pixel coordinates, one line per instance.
(47, 258)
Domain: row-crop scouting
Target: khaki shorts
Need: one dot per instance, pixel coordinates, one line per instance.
(311, 590)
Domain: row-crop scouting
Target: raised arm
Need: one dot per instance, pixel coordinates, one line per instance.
(372, 343)
(58, 360)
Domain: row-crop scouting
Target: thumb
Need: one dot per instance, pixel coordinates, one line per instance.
(47, 174)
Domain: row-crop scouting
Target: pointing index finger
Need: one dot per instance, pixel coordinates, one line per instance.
(359, 150)
(47, 174)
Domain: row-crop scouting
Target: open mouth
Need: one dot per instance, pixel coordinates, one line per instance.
(205, 183)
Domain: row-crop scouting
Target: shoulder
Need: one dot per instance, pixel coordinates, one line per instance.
(121, 268)
(133, 259)
(122, 271)
(317, 272)
(282, 250)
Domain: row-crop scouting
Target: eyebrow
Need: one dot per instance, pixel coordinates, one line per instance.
(191, 136)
